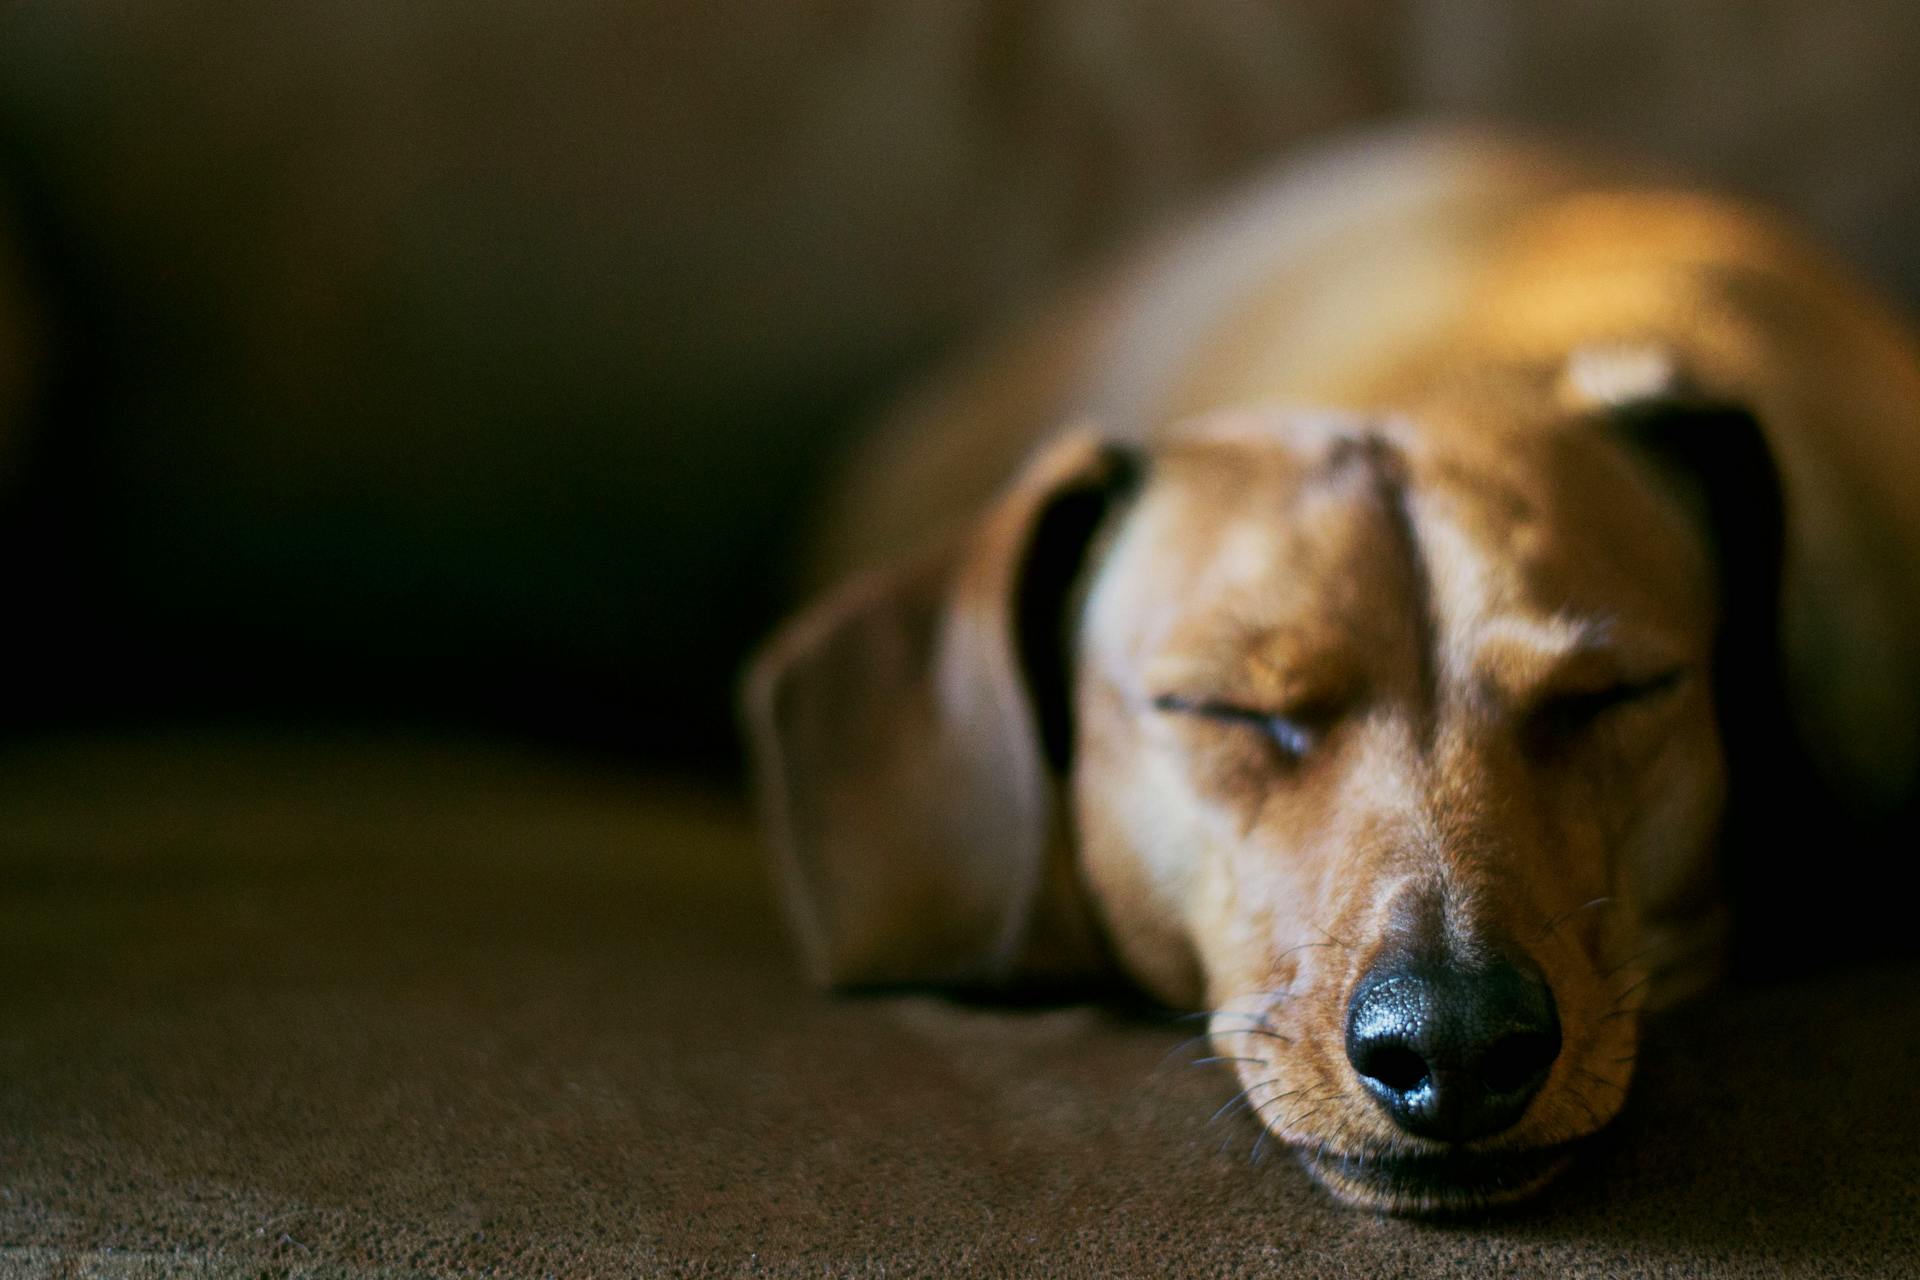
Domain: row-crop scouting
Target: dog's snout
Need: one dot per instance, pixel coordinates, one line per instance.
(1453, 1053)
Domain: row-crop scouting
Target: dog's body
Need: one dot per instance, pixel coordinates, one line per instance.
(1385, 639)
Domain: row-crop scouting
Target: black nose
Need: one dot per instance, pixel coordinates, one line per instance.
(1453, 1052)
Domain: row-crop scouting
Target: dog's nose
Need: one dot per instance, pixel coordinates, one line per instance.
(1453, 1053)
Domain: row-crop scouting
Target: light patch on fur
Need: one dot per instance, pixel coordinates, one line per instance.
(1248, 554)
(1116, 598)
(1307, 430)
(1526, 649)
(1613, 375)
(1466, 583)
(1550, 639)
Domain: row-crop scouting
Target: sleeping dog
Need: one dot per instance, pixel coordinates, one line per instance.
(1441, 535)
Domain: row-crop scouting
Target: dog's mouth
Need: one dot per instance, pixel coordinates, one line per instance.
(1441, 1183)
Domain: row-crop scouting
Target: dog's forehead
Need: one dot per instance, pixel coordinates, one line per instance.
(1239, 528)
(1317, 527)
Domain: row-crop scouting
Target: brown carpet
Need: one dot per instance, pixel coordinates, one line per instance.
(330, 1008)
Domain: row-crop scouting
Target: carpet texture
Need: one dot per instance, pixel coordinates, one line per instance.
(348, 1007)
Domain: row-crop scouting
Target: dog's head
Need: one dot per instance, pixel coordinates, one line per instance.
(1391, 741)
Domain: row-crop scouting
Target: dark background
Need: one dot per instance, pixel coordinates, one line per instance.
(469, 363)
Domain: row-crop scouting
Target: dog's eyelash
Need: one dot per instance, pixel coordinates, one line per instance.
(1567, 712)
(1295, 734)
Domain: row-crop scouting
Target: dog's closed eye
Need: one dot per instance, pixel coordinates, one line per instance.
(1293, 732)
(1561, 718)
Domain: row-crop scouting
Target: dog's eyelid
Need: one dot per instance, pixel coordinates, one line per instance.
(1526, 676)
(1571, 707)
(1309, 713)
(1295, 733)
(1208, 708)
(1627, 686)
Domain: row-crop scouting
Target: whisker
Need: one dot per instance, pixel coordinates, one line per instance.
(1298, 1118)
(1204, 1038)
(1254, 1019)
(1242, 1098)
(1557, 921)
(1696, 948)
(1277, 1099)
(1209, 1037)
(1209, 1014)
(1304, 1092)
(1236, 1103)
(1261, 1029)
(1673, 961)
(1633, 959)
(1272, 999)
(1267, 999)
(1344, 946)
(1614, 1085)
(1644, 980)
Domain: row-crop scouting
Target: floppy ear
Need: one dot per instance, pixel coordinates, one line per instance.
(907, 733)
(1711, 453)
(1715, 455)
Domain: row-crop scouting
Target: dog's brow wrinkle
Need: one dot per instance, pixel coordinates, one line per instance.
(1388, 470)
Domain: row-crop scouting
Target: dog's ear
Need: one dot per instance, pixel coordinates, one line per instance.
(1710, 450)
(1716, 456)
(908, 733)
(1713, 454)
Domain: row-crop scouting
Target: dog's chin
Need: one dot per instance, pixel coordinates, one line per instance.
(1439, 1184)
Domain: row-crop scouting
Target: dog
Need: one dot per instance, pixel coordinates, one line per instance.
(1445, 541)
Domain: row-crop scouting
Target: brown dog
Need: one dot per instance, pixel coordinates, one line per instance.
(1396, 729)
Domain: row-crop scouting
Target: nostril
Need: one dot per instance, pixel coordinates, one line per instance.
(1395, 1066)
(1518, 1060)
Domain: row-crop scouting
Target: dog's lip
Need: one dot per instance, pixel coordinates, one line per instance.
(1439, 1182)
